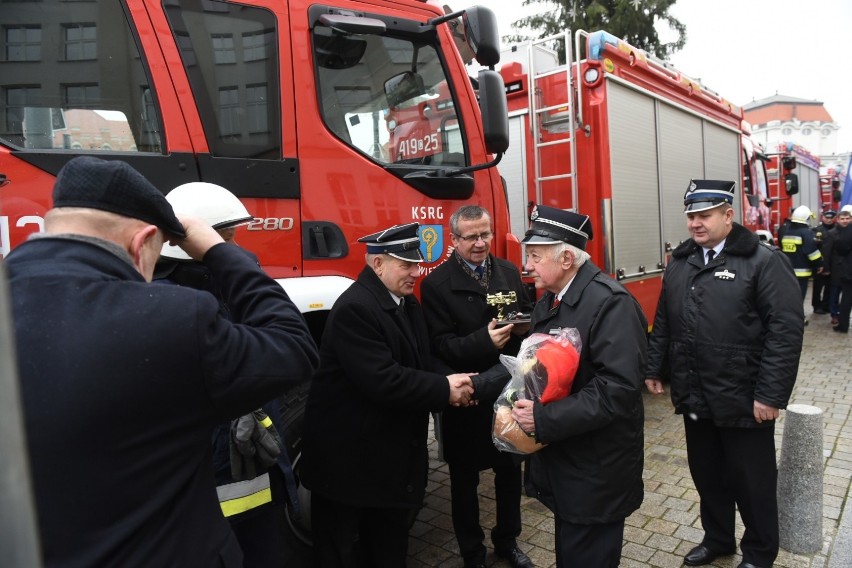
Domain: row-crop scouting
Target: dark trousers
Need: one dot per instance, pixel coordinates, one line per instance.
(819, 296)
(803, 284)
(358, 537)
(834, 300)
(464, 484)
(584, 546)
(845, 305)
(734, 468)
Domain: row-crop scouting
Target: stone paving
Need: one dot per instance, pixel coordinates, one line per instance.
(667, 524)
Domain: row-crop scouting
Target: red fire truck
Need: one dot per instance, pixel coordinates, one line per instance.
(284, 102)
(618, 135)
(793, 175)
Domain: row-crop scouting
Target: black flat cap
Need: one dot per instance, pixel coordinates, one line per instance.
(549, 225)
(400, 241)
(114, 186)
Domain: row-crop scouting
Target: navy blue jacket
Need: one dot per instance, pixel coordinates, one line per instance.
(728, 333)
(591, 470)
(122, 382)
(367, 415)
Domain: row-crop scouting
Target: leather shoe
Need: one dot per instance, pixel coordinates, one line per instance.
(515, 556)
(701, 555)
(475, 564)
(747, 565)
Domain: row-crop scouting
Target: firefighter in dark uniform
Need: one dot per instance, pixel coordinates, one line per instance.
(254, 478)
(590, 473)
(367, 414)
(728, 335)
(461, 301)
(799, 245)
(822, 282)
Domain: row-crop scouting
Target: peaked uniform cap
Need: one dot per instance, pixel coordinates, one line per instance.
(399, 241)
(549, 225)
(114, 186)
(830, 214)
(704, 194)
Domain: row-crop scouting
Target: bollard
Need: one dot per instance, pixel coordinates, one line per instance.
(800, 480)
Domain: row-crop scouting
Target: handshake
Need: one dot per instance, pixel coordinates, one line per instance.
(461, 389)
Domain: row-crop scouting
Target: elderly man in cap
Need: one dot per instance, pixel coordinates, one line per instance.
(364, 457)
(590, 473)
(123, 381)
(728, 335)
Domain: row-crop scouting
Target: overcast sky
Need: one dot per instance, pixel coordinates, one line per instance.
(752, 49)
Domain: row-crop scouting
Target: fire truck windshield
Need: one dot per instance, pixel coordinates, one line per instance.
(388, 96)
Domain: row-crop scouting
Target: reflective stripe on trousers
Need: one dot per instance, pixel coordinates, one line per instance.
(240, 496)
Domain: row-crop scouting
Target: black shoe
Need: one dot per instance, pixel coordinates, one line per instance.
(475, 561)
(820, 311)
(838, 330)
(701, 555)
(515, 556)
(747, 565)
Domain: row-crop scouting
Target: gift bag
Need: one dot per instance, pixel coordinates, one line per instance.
(543, 371)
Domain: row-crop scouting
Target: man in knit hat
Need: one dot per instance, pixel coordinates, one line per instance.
(122, 381)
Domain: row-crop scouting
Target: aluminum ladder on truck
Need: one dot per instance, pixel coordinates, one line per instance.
(552, 116)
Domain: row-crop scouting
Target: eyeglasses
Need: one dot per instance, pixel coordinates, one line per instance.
(486, 236)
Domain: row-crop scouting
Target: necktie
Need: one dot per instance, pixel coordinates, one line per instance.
(710, 254)
(556, 302)
(479, 270)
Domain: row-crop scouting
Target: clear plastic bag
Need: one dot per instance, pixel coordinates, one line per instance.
(543, 371)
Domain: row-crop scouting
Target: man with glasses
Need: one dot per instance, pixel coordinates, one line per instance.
(462, 299)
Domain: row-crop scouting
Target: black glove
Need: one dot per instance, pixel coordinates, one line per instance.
(255, 445)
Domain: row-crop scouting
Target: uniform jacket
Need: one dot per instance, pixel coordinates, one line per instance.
(457, 316)
(122, 382)
(799, 245)
(591, 470)
(729, 332)
(820, 234)
(367, 415)
(842, 250)
(834, 261)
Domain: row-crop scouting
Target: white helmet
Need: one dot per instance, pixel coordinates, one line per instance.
(801, 214)
(208, 201)
(846, 208)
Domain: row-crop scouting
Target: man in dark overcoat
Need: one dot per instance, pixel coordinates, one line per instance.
(462, 299)
(590, 472)
(728, 335)
(367, 415)
(122, 381)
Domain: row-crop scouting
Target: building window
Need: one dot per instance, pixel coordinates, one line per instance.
(23, 43)
(81, 42)
(229, 111)
(826, 131)
(806, 131)
(786, 131)
(17, 99)
(256, 45)
(81, 96)
(223, 49)
(256, 109)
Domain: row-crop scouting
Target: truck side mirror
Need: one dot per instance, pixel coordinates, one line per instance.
(480, 28)
(836, 195)
(792, 183)
(404, 87)
(495, 114)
